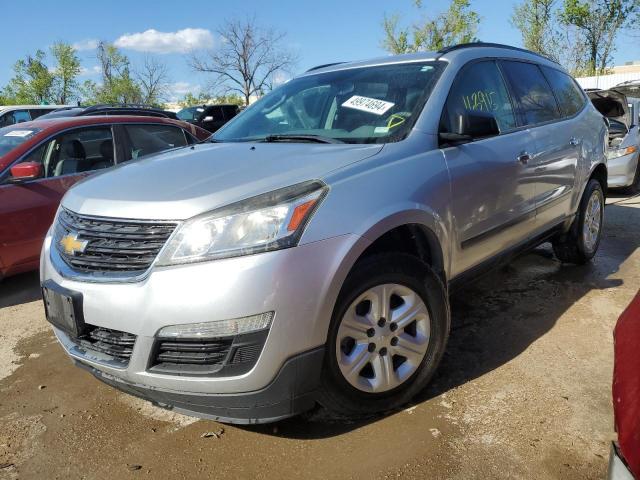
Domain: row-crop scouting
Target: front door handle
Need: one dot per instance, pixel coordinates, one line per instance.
(524, 158)
(574, 142)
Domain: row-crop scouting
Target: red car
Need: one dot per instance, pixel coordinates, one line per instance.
(625, 454)
(42, 159)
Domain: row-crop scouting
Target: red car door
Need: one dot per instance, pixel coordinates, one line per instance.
(27, 209)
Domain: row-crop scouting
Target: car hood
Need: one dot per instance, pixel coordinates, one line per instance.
(182, 183)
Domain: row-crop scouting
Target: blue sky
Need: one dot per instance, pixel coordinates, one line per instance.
(319, 32)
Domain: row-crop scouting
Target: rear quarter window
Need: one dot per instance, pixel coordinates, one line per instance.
(570, 96)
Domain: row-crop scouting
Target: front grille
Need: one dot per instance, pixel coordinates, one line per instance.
(214, 357)
(112, 245)
(114, 343)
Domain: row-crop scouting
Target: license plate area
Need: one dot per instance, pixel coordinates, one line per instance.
(63, 309)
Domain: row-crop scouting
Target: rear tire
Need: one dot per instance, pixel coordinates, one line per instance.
(581, 243)
(365, 371)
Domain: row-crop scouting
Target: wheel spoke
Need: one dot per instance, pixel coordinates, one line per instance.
(355, 326)
(384, 376)
(380, 306)
(355, 362)
(405, 314)
(411, 348)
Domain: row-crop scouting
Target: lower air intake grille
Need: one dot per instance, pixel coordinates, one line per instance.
(113, 343)
(219, 357)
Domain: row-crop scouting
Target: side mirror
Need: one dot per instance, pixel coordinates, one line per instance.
(23, 172)
(470, 126)
(208, 118)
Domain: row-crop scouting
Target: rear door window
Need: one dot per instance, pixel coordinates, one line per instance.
(533, 95)
(479, 87)
(569, 95)
(148, 139)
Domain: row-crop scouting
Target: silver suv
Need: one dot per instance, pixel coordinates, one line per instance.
(305, 255)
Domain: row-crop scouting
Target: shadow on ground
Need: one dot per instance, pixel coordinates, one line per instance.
(19, 289)
(496, 318)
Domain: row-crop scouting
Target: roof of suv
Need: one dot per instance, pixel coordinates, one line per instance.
(456, 53)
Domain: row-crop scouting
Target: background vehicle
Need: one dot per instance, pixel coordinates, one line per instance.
(120, 109)
(209, 117)
(42, 159)
(624, 463)
(624, 136)
(12, 114)
(306, 254)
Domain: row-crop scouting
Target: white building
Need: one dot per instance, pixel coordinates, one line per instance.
(623, 73)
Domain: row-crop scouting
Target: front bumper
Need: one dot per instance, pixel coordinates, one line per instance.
(622, 170)
(299, 284)
(618, 469)
(292, 391)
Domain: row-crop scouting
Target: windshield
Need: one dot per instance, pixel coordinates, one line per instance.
(357, 105)
(190, 114)
(14, 136)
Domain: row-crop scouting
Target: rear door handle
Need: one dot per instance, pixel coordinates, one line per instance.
(524, 158)
(574, 142)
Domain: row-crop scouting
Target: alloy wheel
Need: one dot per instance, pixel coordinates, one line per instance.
(383, 338)
(592, 221)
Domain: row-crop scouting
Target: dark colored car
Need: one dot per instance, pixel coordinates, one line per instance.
(625, 454)
(209, 117)
(124, 109)
(40, 160)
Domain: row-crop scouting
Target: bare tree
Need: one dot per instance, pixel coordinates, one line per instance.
(248, 59)
(153, 78)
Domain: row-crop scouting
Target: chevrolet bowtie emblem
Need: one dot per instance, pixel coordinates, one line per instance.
(70, 244)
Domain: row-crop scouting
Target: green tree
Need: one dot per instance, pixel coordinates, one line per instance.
(191, 100)
(537, 24)
(32, 82)
(599, 22)
(458, 24)
(542, 32)
(65, 73)
(118, 84)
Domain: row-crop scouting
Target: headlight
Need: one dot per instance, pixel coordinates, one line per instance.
(267, 222)
(620, 152)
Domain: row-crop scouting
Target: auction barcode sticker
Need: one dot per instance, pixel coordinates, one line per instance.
(18, 133)
(366, 104)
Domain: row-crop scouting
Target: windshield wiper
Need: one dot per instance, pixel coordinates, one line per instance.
(300, 138)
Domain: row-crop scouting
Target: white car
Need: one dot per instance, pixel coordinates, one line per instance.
(623, 114)
(12, 114)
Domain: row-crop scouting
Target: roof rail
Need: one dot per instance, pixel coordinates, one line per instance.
(318, 67)
(462, 46)
(121, 105)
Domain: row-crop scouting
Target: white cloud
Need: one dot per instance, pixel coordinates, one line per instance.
(181, 41)
(178, 90)
(88, 72)
(86, 44)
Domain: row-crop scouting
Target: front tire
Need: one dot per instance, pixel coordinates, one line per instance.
(387, 335)
(581, 243)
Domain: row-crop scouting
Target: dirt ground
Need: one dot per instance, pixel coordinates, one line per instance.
(523, 392)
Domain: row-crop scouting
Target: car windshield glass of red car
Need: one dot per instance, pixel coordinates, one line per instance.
(14, 136)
